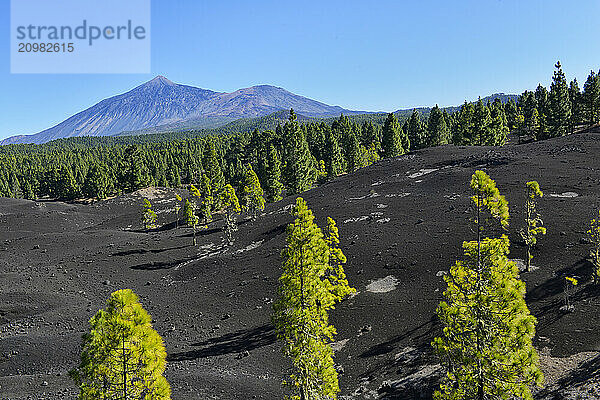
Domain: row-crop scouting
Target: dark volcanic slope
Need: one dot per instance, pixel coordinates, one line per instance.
(403, 220)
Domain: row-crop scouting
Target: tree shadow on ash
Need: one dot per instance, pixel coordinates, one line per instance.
(582, 269)
(403, 370)
(550, 294)
(161, 228)
(278, 230)
(586, 373)
(416, 335)
(154, 265)
(235, 342)
(590, 129)
(168, 227)
(146, 251)
(202, 232)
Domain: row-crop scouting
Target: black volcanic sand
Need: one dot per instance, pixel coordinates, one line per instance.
(402, 220)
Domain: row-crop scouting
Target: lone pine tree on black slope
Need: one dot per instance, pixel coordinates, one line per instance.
(190, 217)
(149, 217)
(594, 235)
(486, 345)
(123, 356)
(231, 207)
(313, 281)
(177, 208)
(533, 220)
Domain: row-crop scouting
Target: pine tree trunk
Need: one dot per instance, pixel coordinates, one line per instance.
(124, 371)
(303, 395)
(528, 258)
(596, 262)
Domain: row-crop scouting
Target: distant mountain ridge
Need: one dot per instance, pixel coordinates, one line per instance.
(162, 103)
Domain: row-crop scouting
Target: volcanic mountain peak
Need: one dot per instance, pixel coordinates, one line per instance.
(161, 102)
(159, 80)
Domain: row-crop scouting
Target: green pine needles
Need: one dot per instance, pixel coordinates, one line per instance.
(273, 185)
(231, 207)
(299, 172)
(207, 200)
(532, 220)
(313, 281)
(190, 217)
(177, 208)
(123, 356)
(252, 193)
(594, 235)
(559, 104)
(486, 345)
(392, 139)
(149, 217)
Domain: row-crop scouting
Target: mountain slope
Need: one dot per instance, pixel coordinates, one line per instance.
(161, 102)
(401, 223)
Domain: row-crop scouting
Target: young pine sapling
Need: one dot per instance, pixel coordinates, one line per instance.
(177, 208)
(149, 217)
(594, 235)
(231, 207)
(190, 217)
(533, 220)
(252, 193)
(570, 284)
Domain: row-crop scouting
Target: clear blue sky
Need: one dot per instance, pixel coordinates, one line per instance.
(381, 55)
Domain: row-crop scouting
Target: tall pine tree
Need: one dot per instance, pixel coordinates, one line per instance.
(299, 171)
(533, 220)
(577, 105)
(559, 105)
(391, 142)
(212, 166)
(486, 345)
(313, 281)
(273, 185)
(591, 98)
(437, 129)
(252, 193)
(416, 132)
